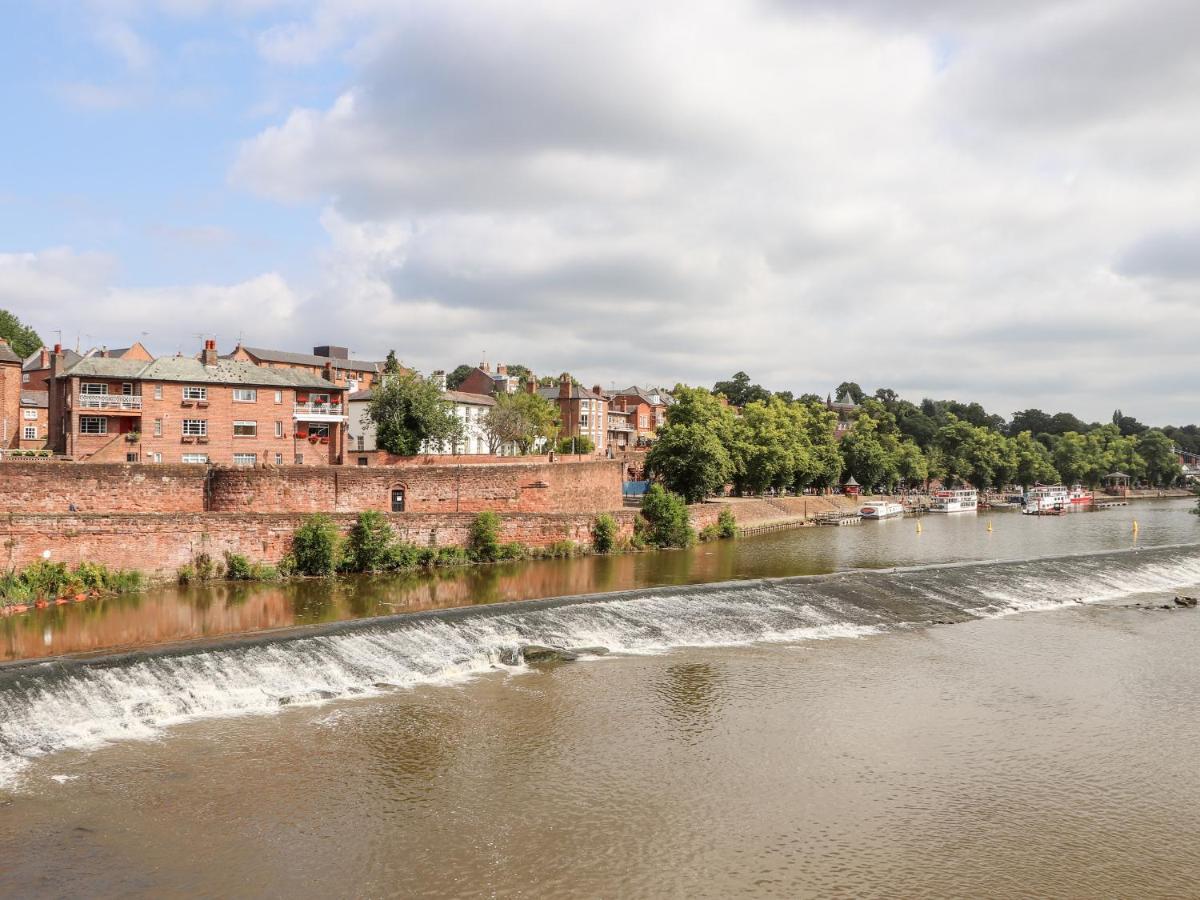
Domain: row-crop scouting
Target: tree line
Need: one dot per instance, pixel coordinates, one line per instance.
(785, 443)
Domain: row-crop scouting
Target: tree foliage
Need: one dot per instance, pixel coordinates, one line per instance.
(457, 376)
(409, 414)
(739, 391)
(522, 420)
(23, 339)
(666, 517)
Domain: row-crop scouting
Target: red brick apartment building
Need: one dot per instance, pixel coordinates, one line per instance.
(583, 412)
(647, 409)
(193, 410)
(482, 380)
(331, 363)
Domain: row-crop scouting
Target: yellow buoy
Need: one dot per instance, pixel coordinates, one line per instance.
(1135, 525)
(989, 526)
(918, 526)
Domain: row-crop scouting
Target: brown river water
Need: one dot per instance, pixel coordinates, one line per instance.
(808, 736)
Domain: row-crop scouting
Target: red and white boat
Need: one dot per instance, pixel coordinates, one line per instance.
(1081, 498)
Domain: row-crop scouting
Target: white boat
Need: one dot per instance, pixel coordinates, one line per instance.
(1046, 500)
(1082, 498)
(960, 500)
(881, 509)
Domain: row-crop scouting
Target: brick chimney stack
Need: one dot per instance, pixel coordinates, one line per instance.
(209, 356)
(44, 361)
(438, 377)
(564, 386)
(531, 385)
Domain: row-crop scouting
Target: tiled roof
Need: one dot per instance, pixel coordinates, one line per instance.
(186, 368)
(472, 399)
(7, 355)
(361, 395)
(577, 393)
(34, 361)
(39, 399)
(311, 359)
(651, 396)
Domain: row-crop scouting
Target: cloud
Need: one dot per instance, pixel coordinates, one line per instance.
(120, 39)
(1169, 254)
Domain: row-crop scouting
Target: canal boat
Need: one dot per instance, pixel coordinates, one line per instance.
(881, 509)
(1047, 500)
(952, 501)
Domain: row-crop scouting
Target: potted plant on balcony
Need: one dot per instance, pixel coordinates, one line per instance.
(133, 437)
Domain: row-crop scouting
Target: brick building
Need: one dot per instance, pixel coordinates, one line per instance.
(582, 412)
(34, 420)
(482, 380)
(194, 410)
(10, 397)
(647, 408)
(331, 363)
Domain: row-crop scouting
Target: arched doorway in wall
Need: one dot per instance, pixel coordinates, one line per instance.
(398, 495)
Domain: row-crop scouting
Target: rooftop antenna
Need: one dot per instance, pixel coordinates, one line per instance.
(58, 331)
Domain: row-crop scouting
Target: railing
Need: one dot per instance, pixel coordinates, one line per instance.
(110, 401)
(317, 409)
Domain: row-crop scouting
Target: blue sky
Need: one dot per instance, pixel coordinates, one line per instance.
(990, 201)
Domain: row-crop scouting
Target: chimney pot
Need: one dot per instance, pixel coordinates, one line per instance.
(58, 348)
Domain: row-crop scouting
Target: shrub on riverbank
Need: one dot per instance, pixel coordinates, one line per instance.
(666, 519)
(604, 533)
(726, 523)
(484, 540)
(45, 580)
(369, 547)
(315, 546)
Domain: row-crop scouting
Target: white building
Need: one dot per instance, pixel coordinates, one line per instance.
(471, 410)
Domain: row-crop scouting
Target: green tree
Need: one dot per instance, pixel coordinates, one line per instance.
(1033, 462)
(856, 393)
(23, 339)
(1158, 453)
(522, 419)
(911, 465)
(484, 539)
(865, 455)
(391, 365)
(457, 376)
(739, 391)
(1070, 455)
(409, 414)
(315, 546)
(689, 459)
(580, 445)
(369, 544)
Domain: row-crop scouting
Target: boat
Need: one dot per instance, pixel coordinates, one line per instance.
(1047, 500)
(960, 500)
(881, 509)
(1081, 497)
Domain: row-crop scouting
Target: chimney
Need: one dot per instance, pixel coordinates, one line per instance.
(331, 352)
(564, 386)
(596, 389)
(531, 385)
(438, 377)
(44, 361)
(209, 356)
(501, 369)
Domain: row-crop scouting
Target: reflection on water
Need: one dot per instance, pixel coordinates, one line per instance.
(172, 613)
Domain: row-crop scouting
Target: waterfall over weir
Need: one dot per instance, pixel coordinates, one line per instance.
(46, 707)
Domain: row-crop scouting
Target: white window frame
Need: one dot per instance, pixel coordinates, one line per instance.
(243, 424)
(103, 420)
(252, 398)
(158, 427)
(195, 427)
(279, 396)
(29, 433)
(194, 459)
(29, 413)
(278, 430)
(126, 389)
(157, 457)
(318, 433)
(158, 392)
(279, 459)
(245, 459)
(88, 388)
(194, 392)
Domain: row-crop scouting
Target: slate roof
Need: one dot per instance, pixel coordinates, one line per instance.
(311, 359)
(7, 355)
(646, 396)
(577, 393)
(193, 371)
(450, 396)
(39, 399)
(33, 362)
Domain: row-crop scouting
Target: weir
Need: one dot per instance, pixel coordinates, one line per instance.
(85, 703)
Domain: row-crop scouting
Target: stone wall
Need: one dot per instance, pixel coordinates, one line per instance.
(158, 544)
(52, 487)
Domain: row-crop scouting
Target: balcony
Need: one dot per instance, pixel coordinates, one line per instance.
(111, 402)
(318, 412)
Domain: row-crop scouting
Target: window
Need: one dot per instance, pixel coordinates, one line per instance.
(583, 420)
(196, 458)
(126, 389)
(643, 421)
(398, 499)
(158, 427)
(158, 392)
(93, 425)
(93, 389)
(30, 413)
(245, 459)
(362, 461)
(25, 378)
(278, 429)
(195, 393)
(299, 459)
(156, 457)
(318, 429)
(195, 427)
(279, 459)
(245, 395)
(245, 429)
(279, 396)
(131, 457)
(29, 433)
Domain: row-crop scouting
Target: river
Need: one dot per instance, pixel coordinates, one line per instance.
(777, 716)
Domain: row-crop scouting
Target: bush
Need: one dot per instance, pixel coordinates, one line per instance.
(561, 550)
(513, 550)
(582, 444)
(450, 556)
(45, 580)
(368, 548)
(485, 537)
(727, 526)
(604, 533)
(206, 569)
(238, 568)
(186, 574)
(315, 546)
(709, 532)
(402, 557)
(666, 517)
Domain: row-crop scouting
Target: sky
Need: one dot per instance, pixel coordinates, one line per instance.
(992, 201)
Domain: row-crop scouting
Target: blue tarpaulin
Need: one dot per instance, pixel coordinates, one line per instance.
(635, 488)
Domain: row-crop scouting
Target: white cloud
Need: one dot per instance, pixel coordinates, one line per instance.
(123, 42)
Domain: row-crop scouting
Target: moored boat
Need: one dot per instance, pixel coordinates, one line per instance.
(1046, 500)
(881, 509)
(960, 500)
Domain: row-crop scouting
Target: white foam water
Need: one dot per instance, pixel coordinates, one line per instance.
(52, 707)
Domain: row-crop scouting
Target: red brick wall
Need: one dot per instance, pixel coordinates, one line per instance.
(10, 405)
(159, 544)
(530, 487)
(27, 487)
